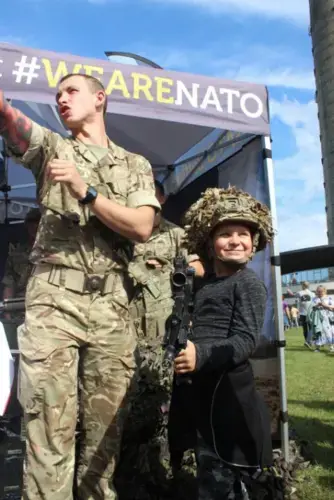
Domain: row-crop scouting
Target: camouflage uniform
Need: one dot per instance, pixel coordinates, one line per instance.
(153, 303)
(76, 303)
(18, 268)
(146, 427)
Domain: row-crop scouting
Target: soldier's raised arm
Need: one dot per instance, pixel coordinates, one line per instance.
(15, 127)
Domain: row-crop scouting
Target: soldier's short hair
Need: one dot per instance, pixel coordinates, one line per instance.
(94, 84)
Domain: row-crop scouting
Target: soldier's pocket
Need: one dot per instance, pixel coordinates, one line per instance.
(33, 372)
(115, 181)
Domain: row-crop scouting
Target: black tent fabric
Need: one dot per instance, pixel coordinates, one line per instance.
(176, 205)
(307, 259)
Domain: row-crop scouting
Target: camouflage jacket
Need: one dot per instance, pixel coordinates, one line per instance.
(153, 294)
(69, 234)
(18, 268)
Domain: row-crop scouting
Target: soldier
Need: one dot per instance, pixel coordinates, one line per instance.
(145, 444)
(151, 270)
(95, 197)
(18, 267)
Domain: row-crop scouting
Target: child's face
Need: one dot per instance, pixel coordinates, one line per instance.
(233, 243)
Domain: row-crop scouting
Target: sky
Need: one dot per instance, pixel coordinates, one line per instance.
(248, 40)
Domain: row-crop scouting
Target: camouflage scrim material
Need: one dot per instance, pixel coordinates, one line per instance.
(221, 205)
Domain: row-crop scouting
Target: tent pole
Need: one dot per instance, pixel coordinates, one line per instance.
(4, 188)
(276, 271)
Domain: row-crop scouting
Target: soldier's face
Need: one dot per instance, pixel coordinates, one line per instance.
(233, 243)
(77, 103)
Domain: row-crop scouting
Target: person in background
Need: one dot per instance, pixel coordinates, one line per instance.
(321, 319)
(146, 426)
(151, 268)
(294, 313)
(286, 314)
(18, 266)
(304, 297)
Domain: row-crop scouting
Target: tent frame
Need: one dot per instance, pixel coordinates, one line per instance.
(241, 118)
(277, 289)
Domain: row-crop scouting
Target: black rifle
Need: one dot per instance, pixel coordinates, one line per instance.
(181, 433)
(178, 325)
(10, 305)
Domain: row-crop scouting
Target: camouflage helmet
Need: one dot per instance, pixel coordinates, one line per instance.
(221, 205)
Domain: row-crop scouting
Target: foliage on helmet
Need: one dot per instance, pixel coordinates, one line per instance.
(221, 205)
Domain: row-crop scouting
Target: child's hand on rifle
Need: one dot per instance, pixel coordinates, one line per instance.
(198, 266)
(185, 362)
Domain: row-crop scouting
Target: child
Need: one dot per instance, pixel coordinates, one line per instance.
(226, 228)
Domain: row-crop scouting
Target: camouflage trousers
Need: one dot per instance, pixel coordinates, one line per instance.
(72, 338)
(150, 322)
(216, 481)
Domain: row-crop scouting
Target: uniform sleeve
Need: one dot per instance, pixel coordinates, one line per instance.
(245, 329)
(141, 190)
(41, 146)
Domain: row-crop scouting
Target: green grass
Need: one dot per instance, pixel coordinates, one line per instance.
(310, 387)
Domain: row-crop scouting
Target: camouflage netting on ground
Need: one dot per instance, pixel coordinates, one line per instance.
(144, 472)
(300, 459)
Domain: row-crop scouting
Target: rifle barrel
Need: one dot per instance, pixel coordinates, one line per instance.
(10, 305)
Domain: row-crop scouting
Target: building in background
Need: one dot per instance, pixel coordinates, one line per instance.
(315, 277)
(322, 33)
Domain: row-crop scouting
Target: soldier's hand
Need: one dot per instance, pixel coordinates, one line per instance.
(154, 263)
(198, 266)
(185, 362)
(66, 172)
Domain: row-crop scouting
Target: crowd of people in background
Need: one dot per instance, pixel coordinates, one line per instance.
(314, 312)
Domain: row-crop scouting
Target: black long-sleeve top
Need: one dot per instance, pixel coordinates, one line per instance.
(224, 405)
(227, 320)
